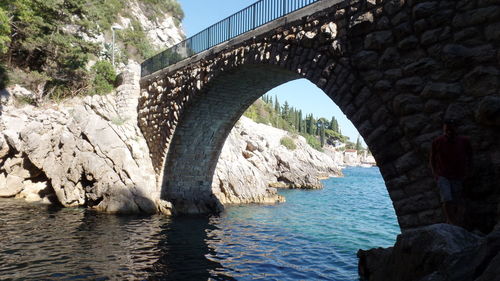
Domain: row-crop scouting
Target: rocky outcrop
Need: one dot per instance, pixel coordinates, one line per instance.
(435, 252)
(253, 163)
(162, 31)
(88, 152)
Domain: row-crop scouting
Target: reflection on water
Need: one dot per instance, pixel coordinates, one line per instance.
(37, 243)
(184, 252)
(314, 236)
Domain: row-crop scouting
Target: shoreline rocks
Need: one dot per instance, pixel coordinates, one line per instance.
(435, 252)
(90, 152)
(253, 163)
(86, 151)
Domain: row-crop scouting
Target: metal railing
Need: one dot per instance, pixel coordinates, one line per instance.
(243, 21)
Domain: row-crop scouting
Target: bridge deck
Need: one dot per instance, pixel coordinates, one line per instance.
(259, 17)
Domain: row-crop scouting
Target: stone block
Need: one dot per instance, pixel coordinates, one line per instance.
(425, 10)
(366, 60)
(399, 18)
(408, 43)
(444, 91)
(488, 112)
(492, 32)
(413, 124)
(408, 161)
(391, 7)
(378, 40)
(405, 104)
(476, 16)
(410, 85)
(482, 81)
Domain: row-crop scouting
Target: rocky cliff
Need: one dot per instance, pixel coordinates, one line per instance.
(89, 152)
(253, 163)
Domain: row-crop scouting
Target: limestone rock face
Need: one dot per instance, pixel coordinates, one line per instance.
(253, 163)
(161, 31)
(89, 151)
(435, 252)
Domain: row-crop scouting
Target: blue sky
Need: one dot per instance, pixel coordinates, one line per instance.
(301, 94)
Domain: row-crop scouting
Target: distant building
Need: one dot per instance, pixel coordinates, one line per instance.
(351, 157)
(368, 159)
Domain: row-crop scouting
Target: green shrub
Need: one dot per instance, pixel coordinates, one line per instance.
(288, 143)
(25, 100)
(5, 31)
(313, 142)
(157, 8)
(136, 41)
(103, 78)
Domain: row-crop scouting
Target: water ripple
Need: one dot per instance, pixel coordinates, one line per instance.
(313, 236)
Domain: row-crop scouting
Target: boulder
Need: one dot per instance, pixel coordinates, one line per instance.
(434, 252)
(10, 185)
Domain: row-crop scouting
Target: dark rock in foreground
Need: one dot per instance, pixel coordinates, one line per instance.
(435, 252)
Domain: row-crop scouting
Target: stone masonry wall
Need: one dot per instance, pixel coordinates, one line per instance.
(394, 67)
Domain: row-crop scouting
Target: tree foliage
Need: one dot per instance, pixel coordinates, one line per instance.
(4, 31)
(317, 132)
(49, 39)
(103, 77)
(41, 40)
(288, 143)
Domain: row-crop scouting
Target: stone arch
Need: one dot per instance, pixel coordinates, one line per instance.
(395, 68)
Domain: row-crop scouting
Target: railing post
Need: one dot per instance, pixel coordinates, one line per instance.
(284, 8)
(254, 15)
(229, 28)
(208, 38)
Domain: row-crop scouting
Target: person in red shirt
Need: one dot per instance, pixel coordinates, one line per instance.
(451, 163)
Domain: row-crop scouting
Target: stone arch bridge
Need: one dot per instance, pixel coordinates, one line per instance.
(394, 67)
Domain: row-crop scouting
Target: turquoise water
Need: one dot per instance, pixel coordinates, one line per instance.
(313, 236)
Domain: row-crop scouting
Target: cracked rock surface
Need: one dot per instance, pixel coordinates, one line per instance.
(89, 151)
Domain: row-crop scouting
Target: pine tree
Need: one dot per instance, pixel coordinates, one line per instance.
(359, 147)
(276, 105)
(301, 122)
(285, 110)
(322, 134)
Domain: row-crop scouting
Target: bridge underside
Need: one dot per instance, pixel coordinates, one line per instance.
(395, 68)
(201, 133)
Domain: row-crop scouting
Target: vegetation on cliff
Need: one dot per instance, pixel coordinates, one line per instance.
(317, 132)
(50, 46)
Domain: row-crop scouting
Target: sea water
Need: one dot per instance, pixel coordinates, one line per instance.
(313, 236)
